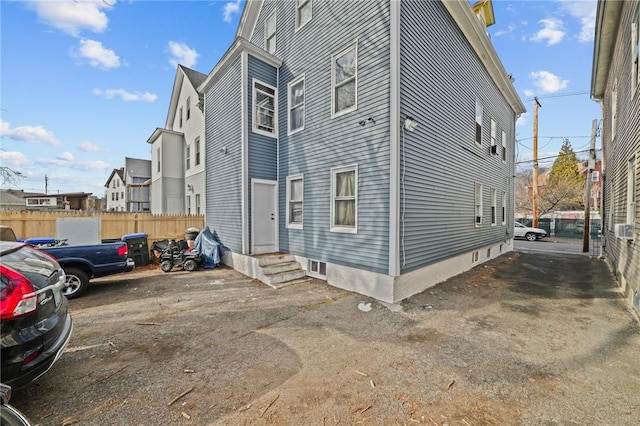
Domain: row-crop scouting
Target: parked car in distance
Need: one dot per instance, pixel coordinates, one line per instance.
(36, 324)
(531, 234)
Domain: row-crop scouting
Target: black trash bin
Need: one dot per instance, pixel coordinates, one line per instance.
(138, 248)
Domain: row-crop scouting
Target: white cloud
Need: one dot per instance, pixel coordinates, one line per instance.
(88, 147)
(66, 156)
(529, 93)
(548, 82)
(230, 8)
(510, 28)
(73, 16)
(13, 158)
(98, 165)
(552, 31)
(28, 133)
(585, 12)
(523, 120)
(98, 56)
(125, 96)
(182, 54)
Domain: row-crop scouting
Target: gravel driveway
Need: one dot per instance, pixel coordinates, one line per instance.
(526, 339)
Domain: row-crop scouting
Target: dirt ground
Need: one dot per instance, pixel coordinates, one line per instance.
(526, 339)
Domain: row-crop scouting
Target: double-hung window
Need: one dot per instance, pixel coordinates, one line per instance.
(631, 190)
(295, 197)
(494, 134)
(270, 33)
(504, 146)
(180, 115)
(614, 109)
(478, 123)
(494, 207)
(197, 203)
(344, 199)
(478, 203)
(188, 157)
(188, 108)
(296, 105)
(504, 208)
(303, 13)
(188, 204)
(635, 52)
(344, 81)
(264, 109)
(197, 144)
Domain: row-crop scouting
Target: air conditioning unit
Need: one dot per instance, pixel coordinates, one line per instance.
(624, 231)
(494, 149)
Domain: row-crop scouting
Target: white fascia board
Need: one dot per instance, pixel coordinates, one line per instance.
(607, 21)
(159, 131)
(476, 35)
(175, 95)
(249, 18)
(239, 46)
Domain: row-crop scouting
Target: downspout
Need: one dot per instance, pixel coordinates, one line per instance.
(394, 142)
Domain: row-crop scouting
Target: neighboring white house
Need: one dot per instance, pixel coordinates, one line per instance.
(177, 150)
(115, 191)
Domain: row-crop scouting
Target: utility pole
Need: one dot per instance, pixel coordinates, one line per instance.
(46, 184)
(591, 163)
(534, 192)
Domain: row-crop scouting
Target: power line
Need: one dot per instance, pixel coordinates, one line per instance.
(554, 156)
(561, 95)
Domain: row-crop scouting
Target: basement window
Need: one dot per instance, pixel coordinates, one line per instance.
(317, 269)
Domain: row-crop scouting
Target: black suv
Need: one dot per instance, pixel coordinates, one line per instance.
(36, 325)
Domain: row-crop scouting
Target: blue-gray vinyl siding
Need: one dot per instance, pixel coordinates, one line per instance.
(223, 127)
(441, 78)
(263, 150)
(326, 142)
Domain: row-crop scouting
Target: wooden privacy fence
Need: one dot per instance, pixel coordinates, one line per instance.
(113, 224)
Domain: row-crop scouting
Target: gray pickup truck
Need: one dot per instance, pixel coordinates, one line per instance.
(82, 263)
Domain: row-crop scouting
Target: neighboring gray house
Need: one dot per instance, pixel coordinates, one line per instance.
(372, 141)
(137, 180)
(615, 83)
(128, 186)
(177, 150)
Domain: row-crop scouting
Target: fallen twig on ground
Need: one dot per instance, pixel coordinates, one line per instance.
(180, 396)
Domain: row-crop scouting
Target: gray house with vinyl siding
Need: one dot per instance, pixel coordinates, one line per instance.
(615, 83)
(371, 141)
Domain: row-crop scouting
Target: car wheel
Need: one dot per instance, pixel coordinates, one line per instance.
(77, 283)
(190, 265)
(531, 236)
(166, 265)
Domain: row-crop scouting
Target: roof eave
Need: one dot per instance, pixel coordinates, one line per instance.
(607, 21)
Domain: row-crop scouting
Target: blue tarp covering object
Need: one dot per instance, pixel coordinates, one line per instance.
(211, 250)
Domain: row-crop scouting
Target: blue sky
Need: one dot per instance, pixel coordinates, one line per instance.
(83, 84)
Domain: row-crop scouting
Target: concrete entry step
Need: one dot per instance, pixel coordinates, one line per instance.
(279, 269)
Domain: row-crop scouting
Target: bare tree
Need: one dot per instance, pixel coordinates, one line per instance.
(10, 176)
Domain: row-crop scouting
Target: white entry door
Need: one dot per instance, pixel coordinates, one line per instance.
(264, 216)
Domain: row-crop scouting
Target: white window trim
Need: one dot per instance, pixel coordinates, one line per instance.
(254, 126)
(477, 204)
(335, 114)
(187, 157)
(197, 159)
(337, 228)
(299, 5)
(504, 146)
(494, 207)
(478, 120)
(289, 224)
(290, 104)
(275, 31)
